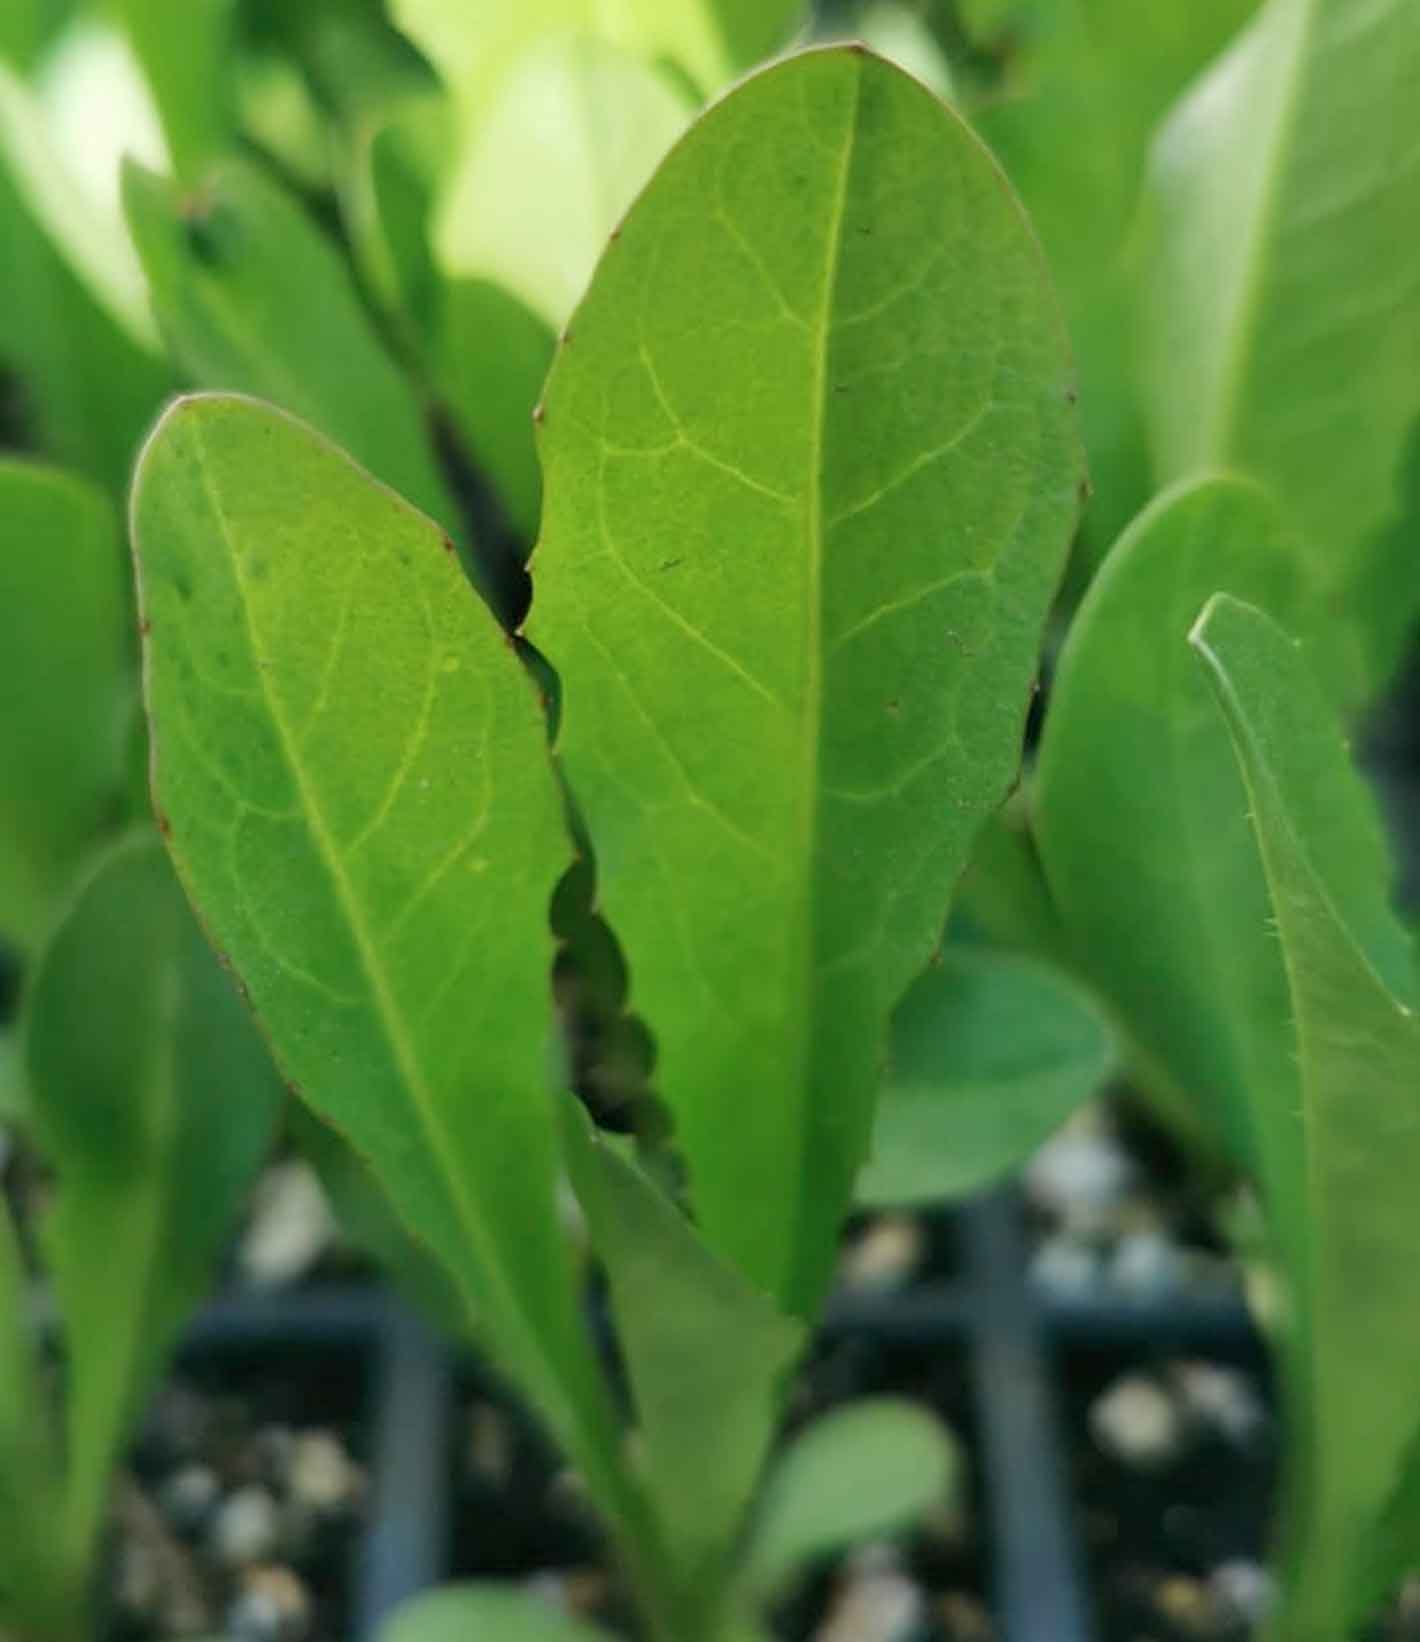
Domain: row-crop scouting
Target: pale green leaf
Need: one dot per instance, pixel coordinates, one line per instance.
(251, 297)
(154, 1102)
(811, 474)
(476, 54)
(1283, 272)
(1140, 816)
(84, 227)
(499, 1613)
(576, 128)
(705, 1353)
(989, 1054)
(383, 891)
(858, 1473)
(1086, 83)
(65, 685)
(186, 49)
(1339, 1143)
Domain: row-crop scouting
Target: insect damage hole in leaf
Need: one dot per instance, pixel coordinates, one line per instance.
(840, 403)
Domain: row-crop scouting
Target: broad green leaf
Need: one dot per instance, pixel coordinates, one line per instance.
(858, 1473)
(574, 131)
(185, 47)
(81, 224)
(811, 474)
(368, 1219)
(1087, 82)
(501, 1613)
(65, 684)
(251, 297)
(1139, 814)
(1004, 896)
(90, 392)
(353, 767)
(1282, 270)
(154, 1102)
(1340, 1142)
(706, 1354)
(989, 1054)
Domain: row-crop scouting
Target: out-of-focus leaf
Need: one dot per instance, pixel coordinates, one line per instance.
(37, 1591)
(1140, 815)
(154, 1101)
(186, 48)
(251, 297)
(460, 1613)
(368, 1219)
(858, 1473)
(571, 135)
(706, 1353)
(65, 683)
(89, 238)
(989, 1054)
(389, 205)
(1283, 281)
(811, 475)
(383, 895)
(1087, 82)
(86, 391)
(1339, 1140)
(492, 356)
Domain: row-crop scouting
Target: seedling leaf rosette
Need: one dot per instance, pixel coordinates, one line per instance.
(744, 431)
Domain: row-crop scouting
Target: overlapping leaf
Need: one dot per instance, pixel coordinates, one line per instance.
(64, 686)
(222, 266)
(1339, 1139)
(154, 1116)
(1140, 816)
(1283, 279)
(353, 766)
(811, 473)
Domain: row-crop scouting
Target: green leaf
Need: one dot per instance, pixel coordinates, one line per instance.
(900, 34)
(38, 1592)
(185, 47)
(353, 765)
(491, 355)
(458, 1613)
(1087, 81)
(754, 30)
(706, 1354)
(1283, 271)
(368, 1219)
(90, 392)
(223, 270)
(1340, 1141)
(858, 1473)
(65, 685)
(573, 132)
(989, 1054)
(811, 473)
(1140, 817)
(90, 240)
(154, 1101)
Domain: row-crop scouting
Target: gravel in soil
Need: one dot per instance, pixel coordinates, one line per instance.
(241, 1509)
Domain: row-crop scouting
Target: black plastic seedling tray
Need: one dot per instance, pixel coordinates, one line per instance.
(990, 1309)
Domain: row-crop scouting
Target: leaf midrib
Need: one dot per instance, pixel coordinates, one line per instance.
(814, 679)
(386, 1009)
